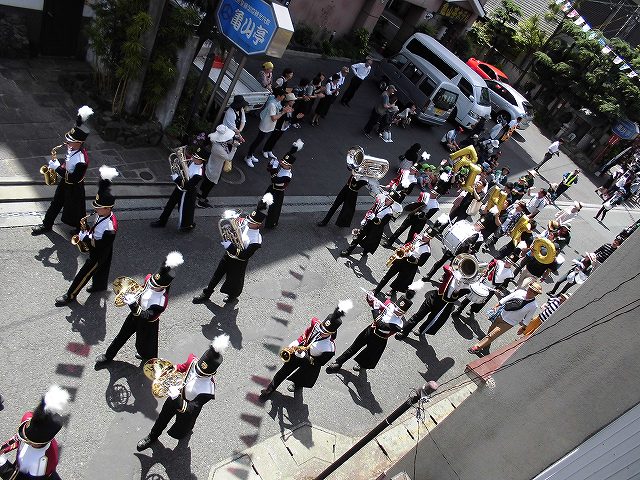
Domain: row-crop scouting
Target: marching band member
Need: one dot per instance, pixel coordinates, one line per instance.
(437, 304)
(233, 264)
(309, 353)
(35, 443)
(508, 220)
(404, 181)
(70, 195)
(413, 254)
(99, 238)
(186, 402)
(281, 175)
(184, 193)
(146, 308)
(388, 318)
(368, 237)
(347, 197)
(470, 245)
(496, 277)
(517, 244)
(418, 214)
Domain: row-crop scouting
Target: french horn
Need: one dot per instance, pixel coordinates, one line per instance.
(163, 375)
(123, 286)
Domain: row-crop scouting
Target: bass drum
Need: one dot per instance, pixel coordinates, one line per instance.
(454, 235)
(479, 293)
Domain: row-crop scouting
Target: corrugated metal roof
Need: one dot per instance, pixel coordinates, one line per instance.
(529, 9)
(612, 453)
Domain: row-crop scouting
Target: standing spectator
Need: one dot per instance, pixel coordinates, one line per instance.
(265, 77)
(331, 92)
(410, 158)
(282, 125)
(269, 115)
(554, 149)
(461, 205)
(605, 250)
(360, 72)
(546, 310)
(511, 127)
(564, 217)
(283, 80)
(568, 179)
(223, 149)
(496, 130)
(304, 100)
(450, 139)
(581, 269)
(615, 199)
(404, 117)
(537, 203)
(500, 176)
(516, 308)
(344, 71)
(235, 117)
(379, 110)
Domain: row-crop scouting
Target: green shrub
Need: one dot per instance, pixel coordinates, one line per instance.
(304, 35)
(426, 29)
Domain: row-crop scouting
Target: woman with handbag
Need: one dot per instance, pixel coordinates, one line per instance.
(223, 148)
(516, 308)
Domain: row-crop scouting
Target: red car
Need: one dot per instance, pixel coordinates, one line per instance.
(487, 71)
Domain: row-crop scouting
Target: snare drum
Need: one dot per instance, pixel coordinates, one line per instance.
(479, 293)
(457, 233)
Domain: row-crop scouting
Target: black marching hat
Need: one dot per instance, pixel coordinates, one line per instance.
(46, 421)
(334, 320)
(200, 147)
(404, 303)
(79, 133)
(289, 157)
(104, 197)
(260, 213)
(164, 276)
(210, 360)
(397, 196)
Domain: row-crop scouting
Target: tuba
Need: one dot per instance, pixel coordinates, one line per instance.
(366, 165)
(178, 163)
(229, 227)
(467, 265)
(50, 175)
(163, 375)
(287, 352)
(124, 285)
(75, 240)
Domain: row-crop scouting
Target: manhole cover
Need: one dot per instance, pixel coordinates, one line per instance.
(234, 177)
(146, 176)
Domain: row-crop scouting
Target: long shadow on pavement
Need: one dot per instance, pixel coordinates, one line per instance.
(427, 355)
(362, 395)
(176, 462)
(129, 390)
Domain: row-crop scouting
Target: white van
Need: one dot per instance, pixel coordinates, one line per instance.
(474, 103)
(434, 96)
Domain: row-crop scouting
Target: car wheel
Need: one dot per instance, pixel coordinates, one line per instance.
(383, 85)
(503, 117)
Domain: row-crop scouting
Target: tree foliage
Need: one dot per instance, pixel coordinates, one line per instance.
(529, 36)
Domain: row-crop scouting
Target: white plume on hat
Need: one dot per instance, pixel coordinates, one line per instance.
(85, 112)
(174, 259)
(230, 214)
(298, 144)
(494, 210)
(267, 198)
(220, 343)
(416, 286)
(56, 399)
(345, 305)
(108, 173)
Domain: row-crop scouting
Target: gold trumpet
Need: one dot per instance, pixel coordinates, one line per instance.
(124, 285)
(50, 175)
(75, 240)
(163, 375)
(287, 352)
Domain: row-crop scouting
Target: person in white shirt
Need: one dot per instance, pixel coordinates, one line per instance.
(331, 92)
(537, 203)
(360, 72)
(564, 217)
(269, 115)
(344, 71)
(518, 307)
(554, 149)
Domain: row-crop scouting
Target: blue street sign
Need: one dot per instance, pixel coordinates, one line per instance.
(626, 129)
(249, 24)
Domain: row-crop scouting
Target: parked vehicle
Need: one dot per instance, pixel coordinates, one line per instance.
(508, 104)
(487, 71)
(247, 86)
(441, 63)
(434, 96)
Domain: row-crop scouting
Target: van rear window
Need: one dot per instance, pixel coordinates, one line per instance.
(417, 48)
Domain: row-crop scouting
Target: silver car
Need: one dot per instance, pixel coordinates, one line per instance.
(508, 104)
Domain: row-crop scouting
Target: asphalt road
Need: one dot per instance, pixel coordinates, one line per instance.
(295, 276)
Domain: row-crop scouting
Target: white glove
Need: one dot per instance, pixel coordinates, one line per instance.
(83, 234)
(225, 244)
(3, 459)
(130, 299)
(53, 164)
(174, 392)
(174, 176)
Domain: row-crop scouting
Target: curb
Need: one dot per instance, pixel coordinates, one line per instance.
(298, 53)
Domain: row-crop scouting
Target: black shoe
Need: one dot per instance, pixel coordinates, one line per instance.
(292, 388)
(417, 334)
(345, 253)
(93, 289)
(145, 443)
(203, 203)
(456, 313)
(138, 356)
(333, 368)
(387, 244)
(400, 336)
(64, 300)
(426, 279)
(203, 297)
(322, 223)
(1, 403)
(265, 392)
(229, 298)
(39, 230)
(102, 359)
(158, 224)
(187, 229)
(357, 368)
